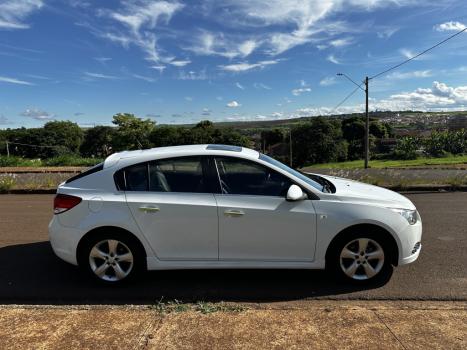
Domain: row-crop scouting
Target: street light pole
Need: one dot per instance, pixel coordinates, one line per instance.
(367, 126)
(367, 117)
(290, 148)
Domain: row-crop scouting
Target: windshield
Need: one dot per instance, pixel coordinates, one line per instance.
(291, 171)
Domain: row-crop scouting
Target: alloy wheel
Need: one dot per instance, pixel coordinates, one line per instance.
(111, 260)
(362, 259)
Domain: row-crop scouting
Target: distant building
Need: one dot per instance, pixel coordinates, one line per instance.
(457, 122)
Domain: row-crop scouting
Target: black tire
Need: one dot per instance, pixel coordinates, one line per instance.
(336, 265)
(127, 243)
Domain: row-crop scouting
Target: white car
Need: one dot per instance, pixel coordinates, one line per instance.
(218, 206)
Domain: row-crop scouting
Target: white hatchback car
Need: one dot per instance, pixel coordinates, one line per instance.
(218, 206)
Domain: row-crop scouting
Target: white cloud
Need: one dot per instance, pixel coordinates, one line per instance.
(450, 26)
(94, 76)
(102, 59)
(240, 86)
(407, 53)
(247, 47)
(14, 81)
(327, 81)
(159, 68)
(245, 66)
(207, 43)
(192, 75)
(206, 112)
(341, 42)
(233, 104)
(333, 59)
(139, 19)
(262, 86)
(179, 63)
(387, 32)
(437, 98)
(145, 78)
(14, 12)
(188, 98)
(299, 91)
(410, 75)
(37, 114)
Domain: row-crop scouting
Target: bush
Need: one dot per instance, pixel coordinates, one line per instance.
(18, 161)
(7, 182)
(71, 160)
(407, 148)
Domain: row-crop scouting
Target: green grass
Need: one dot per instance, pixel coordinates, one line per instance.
(65, 160)
(378, 164)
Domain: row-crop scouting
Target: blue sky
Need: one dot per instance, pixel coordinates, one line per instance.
(184, 61)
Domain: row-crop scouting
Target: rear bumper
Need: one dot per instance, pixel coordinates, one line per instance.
(64, 241)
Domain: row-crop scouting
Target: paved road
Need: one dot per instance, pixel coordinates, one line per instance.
(30, 272)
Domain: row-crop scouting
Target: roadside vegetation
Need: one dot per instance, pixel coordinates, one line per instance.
(319, 142)
(389, 163)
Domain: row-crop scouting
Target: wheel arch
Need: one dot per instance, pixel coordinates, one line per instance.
(387, 237)
(106, 229)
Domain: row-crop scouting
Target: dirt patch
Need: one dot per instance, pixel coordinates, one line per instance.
(323, 325)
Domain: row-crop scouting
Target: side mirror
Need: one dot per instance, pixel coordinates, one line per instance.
(295, 193)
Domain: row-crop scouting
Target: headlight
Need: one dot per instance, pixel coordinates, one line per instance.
(410, 215)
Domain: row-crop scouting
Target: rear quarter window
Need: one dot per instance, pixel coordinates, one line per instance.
(93, 170)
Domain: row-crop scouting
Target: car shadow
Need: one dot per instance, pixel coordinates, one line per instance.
(32, 274)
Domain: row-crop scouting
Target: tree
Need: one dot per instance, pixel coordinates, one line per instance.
(353, 130)
(406, 147)
(132, 132)
(97, 141)
(319, 141)
(271, 137)
(62, 133)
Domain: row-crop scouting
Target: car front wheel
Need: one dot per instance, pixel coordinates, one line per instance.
(361, 258)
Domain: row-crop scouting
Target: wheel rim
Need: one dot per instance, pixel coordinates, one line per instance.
(362, 259)
(111, 260)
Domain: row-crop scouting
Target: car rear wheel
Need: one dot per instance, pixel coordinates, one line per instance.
(361, 258)
(111, 258)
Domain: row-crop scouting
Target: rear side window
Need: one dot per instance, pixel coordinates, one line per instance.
(136, 177)
(93, 170)
(177, 175)
(183, 174)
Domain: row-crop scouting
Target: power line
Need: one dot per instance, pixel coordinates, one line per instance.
(39, 146)
(418, 55)
(346, 98)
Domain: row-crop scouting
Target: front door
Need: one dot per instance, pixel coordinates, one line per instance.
(172, 205)
(256, 222)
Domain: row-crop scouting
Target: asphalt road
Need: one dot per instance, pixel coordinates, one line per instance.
(30, 272)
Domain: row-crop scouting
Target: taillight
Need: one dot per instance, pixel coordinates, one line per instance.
(64, 202)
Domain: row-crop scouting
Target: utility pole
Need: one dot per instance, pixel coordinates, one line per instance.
(367, 126)
(290, 147)
(7, 149)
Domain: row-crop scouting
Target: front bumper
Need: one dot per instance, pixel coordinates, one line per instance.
(410, 243)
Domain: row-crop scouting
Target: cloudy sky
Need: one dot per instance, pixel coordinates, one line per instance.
(181, 61)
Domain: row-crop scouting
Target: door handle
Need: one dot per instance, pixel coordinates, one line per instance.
(234, 212)
(149, 209)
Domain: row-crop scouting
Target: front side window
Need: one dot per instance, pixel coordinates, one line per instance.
(239, 176)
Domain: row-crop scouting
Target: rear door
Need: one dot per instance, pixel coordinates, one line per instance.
(173, 205)
(256, 222)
